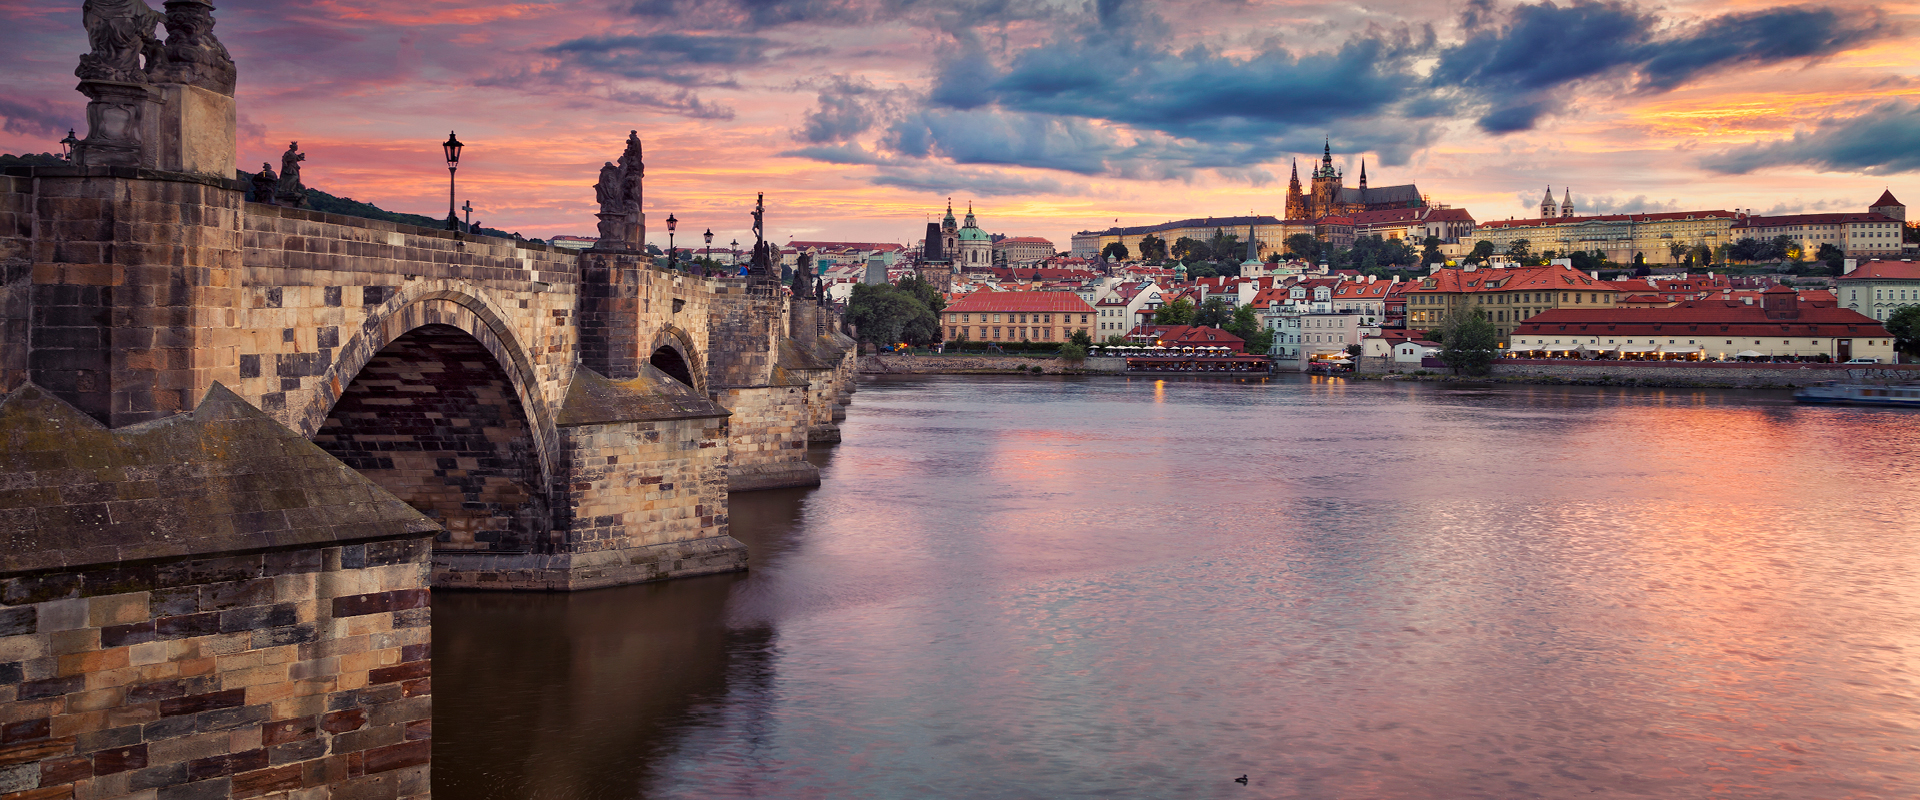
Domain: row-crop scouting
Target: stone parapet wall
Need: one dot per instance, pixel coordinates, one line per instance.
(16, 278)
(221, 676)
(885, 364)
(325, 292)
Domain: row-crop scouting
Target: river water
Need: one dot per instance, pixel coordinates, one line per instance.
(1117, 588)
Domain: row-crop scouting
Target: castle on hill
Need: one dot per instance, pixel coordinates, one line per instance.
(1330, 196)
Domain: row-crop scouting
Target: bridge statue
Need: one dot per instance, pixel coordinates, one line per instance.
(291, 192)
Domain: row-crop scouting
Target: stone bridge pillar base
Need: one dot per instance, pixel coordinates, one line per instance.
(566, 572)
(773, 475)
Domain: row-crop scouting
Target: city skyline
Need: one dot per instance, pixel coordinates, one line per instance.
(859, 119)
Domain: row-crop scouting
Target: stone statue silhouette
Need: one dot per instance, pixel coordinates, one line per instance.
(803, 276)
(632, 170)
(264, 184)
(291, 192)
(609, 191)
(192, 55)
(120, 32)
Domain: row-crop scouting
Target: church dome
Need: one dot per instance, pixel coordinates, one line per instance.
(972, 234)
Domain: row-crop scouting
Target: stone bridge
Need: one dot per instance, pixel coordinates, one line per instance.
(241, 442)
(569, 419)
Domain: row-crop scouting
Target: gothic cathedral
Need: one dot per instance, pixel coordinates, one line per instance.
(1330, 196)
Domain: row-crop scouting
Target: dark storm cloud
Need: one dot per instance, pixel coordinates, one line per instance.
(973, 183)
(37, 117)
(1522, 67)
(1761, 37)
(847, 107)
(679, 59)
(1883, 141)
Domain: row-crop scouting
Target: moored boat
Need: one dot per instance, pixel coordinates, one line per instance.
(1860, 394)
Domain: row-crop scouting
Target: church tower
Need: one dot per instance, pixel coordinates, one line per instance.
(1566, 203)
(1547, 210)
(950, 235)
(1363, 173)
(1296, 200)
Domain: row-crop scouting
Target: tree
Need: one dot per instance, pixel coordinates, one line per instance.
(1469, 343)
(1519, 250)
(1354, 350)
(1178, 312)
(1304, 246)
(1430, 251)
(1904, 324)
(1213, 313)
(1081, 338)
(925, 292)
(886, 314)
(1202, 270)
(1676, 250)
(1189, 250)
(1702, 255)
(1153, 248)
(1114, 251)
(1482, 250)
(1835, 257)
(1246, 325)
(1115, 340)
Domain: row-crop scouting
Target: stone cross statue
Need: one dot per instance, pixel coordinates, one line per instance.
(291, 191)
(120, 32)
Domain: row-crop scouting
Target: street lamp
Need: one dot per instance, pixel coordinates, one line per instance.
(452, 147)
(733, 252)
(66, 146)
(672, 257)
(707, 252)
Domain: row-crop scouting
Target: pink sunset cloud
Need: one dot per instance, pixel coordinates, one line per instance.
(858, 118)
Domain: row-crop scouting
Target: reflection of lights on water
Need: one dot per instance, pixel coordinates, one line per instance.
(1160, 391)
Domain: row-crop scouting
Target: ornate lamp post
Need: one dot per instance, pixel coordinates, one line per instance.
(672, 255)
(734, 252)
(707, 252)
(66, 146)
(452, 147)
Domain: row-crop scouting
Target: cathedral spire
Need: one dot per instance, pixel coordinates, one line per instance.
(1566, 205)
(1547, 210)
(1363, 173)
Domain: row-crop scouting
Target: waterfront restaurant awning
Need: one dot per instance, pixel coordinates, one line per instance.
(1749, 354)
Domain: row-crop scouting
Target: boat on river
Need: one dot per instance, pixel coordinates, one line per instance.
(1905, 395)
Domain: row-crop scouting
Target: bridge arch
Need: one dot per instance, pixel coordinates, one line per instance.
(672, 350)
(436, 400)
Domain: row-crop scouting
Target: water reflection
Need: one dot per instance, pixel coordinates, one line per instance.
(1023, 587)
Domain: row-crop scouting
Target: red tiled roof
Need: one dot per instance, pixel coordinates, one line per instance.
(1739, 319)
(881, 246)
(1810, 219)
(1025, 240)
(1675, 215)
(1886, 199)
(1022, 302)
(1884, 270)
(1520, 278)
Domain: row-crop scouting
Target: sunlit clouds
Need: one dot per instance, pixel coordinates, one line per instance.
(859, 118)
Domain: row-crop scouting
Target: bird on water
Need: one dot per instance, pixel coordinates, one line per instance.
(1242, 780)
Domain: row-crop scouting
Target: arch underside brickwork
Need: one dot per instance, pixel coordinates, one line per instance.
(433, 419)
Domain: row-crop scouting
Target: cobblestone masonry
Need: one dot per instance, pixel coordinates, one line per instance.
(204, 606)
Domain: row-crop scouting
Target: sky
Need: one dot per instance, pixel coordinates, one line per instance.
(860, 118)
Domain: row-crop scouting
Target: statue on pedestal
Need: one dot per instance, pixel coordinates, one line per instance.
(264, 184)
(120, 32)
(803, 277)
(291, 191)
(619, 194)
(192, 55)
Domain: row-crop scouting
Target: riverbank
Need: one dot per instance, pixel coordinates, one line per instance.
(1676, 376)
(988, 365)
